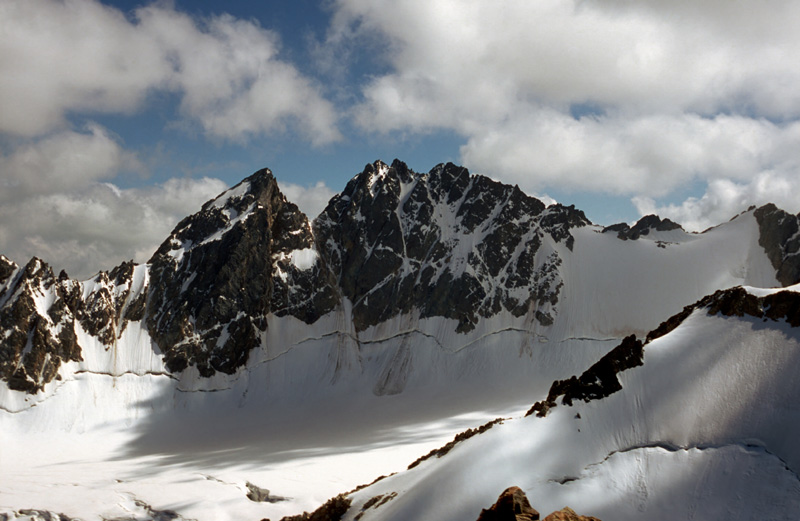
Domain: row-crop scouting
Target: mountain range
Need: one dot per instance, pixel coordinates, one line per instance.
(261, 363)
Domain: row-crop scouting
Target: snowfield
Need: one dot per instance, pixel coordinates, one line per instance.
(706, 428)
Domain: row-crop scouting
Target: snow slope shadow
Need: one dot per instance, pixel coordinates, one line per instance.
(704, 429)
(292, 406)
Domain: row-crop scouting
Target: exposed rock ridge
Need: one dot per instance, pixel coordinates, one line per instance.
(778, 235)
(445, 244)
(333, 510)
(597, 382)
(41, 314)
(225, 268)
(737, 301)
(601, 380)
(461, 436)
(642, 227)
(513, 505)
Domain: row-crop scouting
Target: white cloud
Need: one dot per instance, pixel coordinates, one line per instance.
(627, 97)
(651, 154)
(311, 200)
(58, 57)
(476, 62)
(62, 161)
(56, 203)
(725, 198)
(64, 58)
(101, 225)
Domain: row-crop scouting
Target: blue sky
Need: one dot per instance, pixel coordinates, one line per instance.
(117, 118)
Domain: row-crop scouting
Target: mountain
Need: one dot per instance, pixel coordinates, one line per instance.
(414, 306)
(700, 422)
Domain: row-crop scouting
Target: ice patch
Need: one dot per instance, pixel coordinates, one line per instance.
(304, 259)
(235, 192)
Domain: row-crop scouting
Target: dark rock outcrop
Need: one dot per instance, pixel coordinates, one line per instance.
(567, 514)
(512, 505)
(461, 436)
(600, 380)
(445, 243)
(737, 301)
(374, 503)
(597, 382)
(224, 269)
(332, 510)
(261, 495)
(642, 227)
(778, 235)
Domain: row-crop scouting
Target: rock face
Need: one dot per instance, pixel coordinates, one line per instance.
(225, 268)
(567, 514)
(512, 505)
(394, 243)
(780, 238)
(445, 244)
(599, 381)
(41, 315)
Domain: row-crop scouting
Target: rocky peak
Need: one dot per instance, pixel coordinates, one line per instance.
(38, 326)
(558, 220)
(444, 243)
(41, 313)
(7, 268)
(247, 253)
(642, 227)
(513, 505)
(778, 235)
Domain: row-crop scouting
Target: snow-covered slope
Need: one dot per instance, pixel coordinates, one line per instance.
(706, 427)
(308, 357)
(442, 258)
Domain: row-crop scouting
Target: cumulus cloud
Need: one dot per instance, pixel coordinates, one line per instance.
(477, 62)
(725, 198)
(59, 57)
(60, 206)
(100, 225)
(310, 199)
(621, 96)
(62, 161)
(650, 154)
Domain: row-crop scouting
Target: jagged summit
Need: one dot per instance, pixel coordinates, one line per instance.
(394, 244)
(645, 225)
(223, 270)
(445, 243)
(237, 204)
(415, 306)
